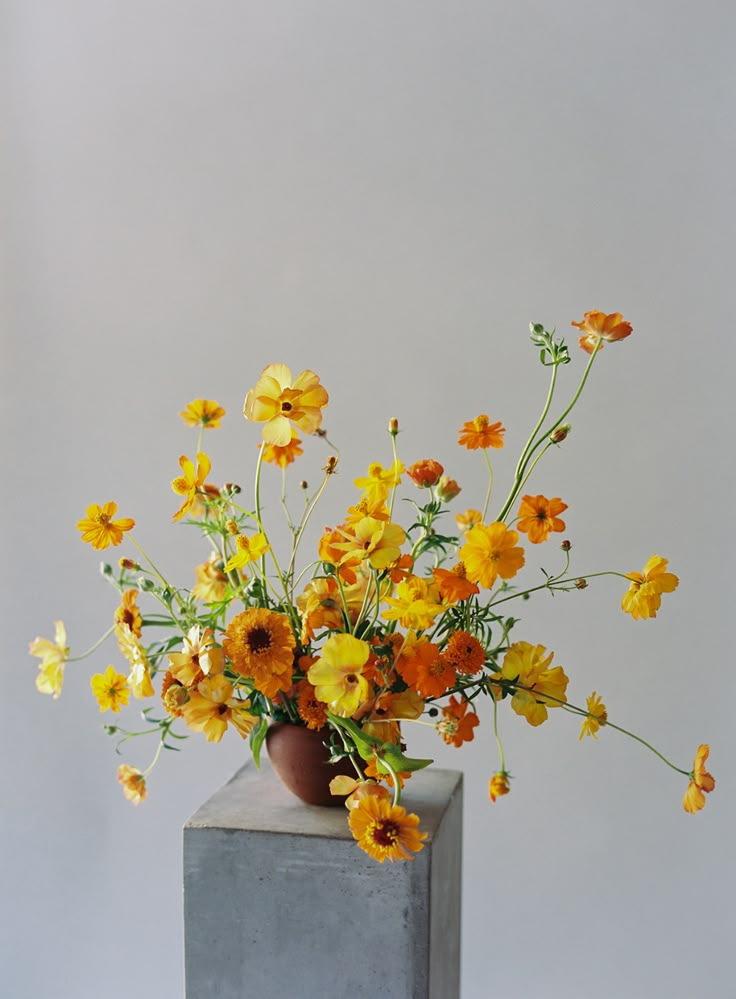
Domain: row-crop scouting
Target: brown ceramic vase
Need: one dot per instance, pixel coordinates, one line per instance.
(299, 757)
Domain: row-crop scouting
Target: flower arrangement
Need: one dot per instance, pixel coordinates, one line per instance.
(385, 625)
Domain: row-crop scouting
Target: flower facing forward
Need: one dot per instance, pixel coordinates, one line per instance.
(111, 689)
(200, 657)
(248, 549)
(385, 831)
(100, 530)
(457, 724)
(481, 433)
(212, 706)
(701, 782)
(53, 656)
(528, 665)
(278, 401)
(538, 517)
(337, 676)
(597, 327)
(260, 644)
(133, 783)
(205, 413)
(644, 596)
(191, 482)
(490, 552)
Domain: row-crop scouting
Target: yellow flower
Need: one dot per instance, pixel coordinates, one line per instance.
(249, 549)
(211, 585)
(278, 401)
(139, 679)
(644, 597)
(490, 552)
(498, 785)
(373, 540)
(100, 530)
(597, 327)
(338, 675)
(110, 689)
(192, 480)
(385, 831)
(468, 519)
(282, 456)
(212, 706)
(203, 413)
(128, 613)
(260, 644)
(416, 604)
(380, 481)
(53, 656)
(320, 607)
(597, 716)
(701, 782)
(200, 656)
(133, 782)
(528, 665)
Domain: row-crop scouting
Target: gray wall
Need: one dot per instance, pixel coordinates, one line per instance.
(387, 193)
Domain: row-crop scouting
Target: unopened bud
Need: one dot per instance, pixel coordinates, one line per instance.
(304, 484)
(231, 527)
(581, 584)
(145, 584)
(105, 568)
(331, 466)
(447, 489)
(110, 729)
(129, 564)
(232, 488)
(566, 545)
(560, 433)
(393, 426)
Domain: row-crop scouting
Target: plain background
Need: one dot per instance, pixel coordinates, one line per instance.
(386, 193)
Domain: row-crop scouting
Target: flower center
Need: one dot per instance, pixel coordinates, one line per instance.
(385, 833)
(286, 407)
(103, 518)
(259, 640)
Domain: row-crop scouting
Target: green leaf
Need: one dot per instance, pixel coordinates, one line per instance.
(257, 736)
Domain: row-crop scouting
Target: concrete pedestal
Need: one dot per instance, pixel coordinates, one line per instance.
(280, 902)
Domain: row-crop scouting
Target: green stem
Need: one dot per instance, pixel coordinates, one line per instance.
(490, 484)
(553, 582)
(94, 648)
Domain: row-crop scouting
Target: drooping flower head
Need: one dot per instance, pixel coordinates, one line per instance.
(385, 831)
(701, 782)
(529, 665)
(133, 783)
(498, 785)
(597, 327)
(53, 656)
(100, 530)
(203, 413)
(190, 482)
(128, 613)
(481, 433)
(490, 552)
(538, 517)
(644, 596)
(260, 644)
(278, 401)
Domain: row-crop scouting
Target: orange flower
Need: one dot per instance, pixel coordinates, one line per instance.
(644, 596)
(479, 433)
(190, 482)
(329, 551)
(538, 517)
(128, 613)
(320, 607)
(278, 400)
(456, 726)
(490, 552)
(468, 519)
(212, 706)
(597, 327)
(260, 644)
(203, 413)
(498, 785)
(454, 584)
(465, 652)
(311, 710)
(100, 530)
(385, 831)
(133, 783)
(447, 489)
(701, 782)
(211, 584)
(425, 473)
(282, 456)
(427, 670)
(199, 657)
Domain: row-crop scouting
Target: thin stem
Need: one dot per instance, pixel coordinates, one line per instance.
(490, 484)
(98, 643)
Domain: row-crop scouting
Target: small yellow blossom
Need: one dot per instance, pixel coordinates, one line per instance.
(133, 783)
(701, 782)
(644, 596)
(53, 656)
(100, 530)
(191, 481)
(211, 585)
(529, 666)
(498, 785)
(278, 400)
(597, 716)
(111, 689)
(380, 481)
(416, 604)
(212, 706)
(249, 549)
(203, 413)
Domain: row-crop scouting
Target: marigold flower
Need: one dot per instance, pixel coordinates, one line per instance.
(465, 521)
(193, 479)
(99, 528)
(53, 656)
(203, 413)
(597, 327)
(278, 400)
(538, 517)
(490, 552)
(456, 725)
(425, 473)
(337, 676)
(498, 785)
(427, 670)
(528, 665)
(597, 716)
(249, 549)
(212, 706)
(312, 711)
(465, 652)
(447, 489)
(385, 831)
(211, 585)
(454, 584)
(282, 456)
(133, 783)
(481, 433)
(128, 613)
(111, 689)
(644, 596)
(701, 782)
(260, 644)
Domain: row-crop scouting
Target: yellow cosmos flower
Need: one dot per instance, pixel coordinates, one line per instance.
(498, 785)
(337, 676)
(249, 549)
(203, 413)
(139, 679)
(212, 706)
(282, 456)
(100, 530)
(133, 783)
(701, 782)
(191, 481)
(128, 613)
(278, 400)
(490, 552)
(385, 831)
(468, 519)
(211, 585)
(110, 689)
(372, 540)
(529, 666)
(53, 656)
(644, 597)
(597, 716)
(199, 656)
(380, 481)
(416, 604)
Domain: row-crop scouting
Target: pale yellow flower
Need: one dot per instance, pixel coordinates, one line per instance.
(337, 676)
(54, 656)
(278, 400)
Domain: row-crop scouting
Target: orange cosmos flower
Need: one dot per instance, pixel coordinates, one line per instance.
(329, 551)
(490, 552)
(203, 413)
(538, 517)
(211, 584)
(480, 433)
(260, 644)
(701, 782)
(454, 584)
(456, 725)
(190, 482)
(133, 783)
(425, 473)
(597, 327)
(597, 716)
(128, 613)
(427, 670)
(282, 456)
(212, 706)
(644, 596)
(100, 530)
(385, 831)
(278, 400)
(498, 785)
(465, 652)
(528, 665)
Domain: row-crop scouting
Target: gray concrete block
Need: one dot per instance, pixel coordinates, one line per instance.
(279, 900)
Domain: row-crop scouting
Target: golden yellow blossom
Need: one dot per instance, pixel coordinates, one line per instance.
(128, 613)
(212, 706)
(211, 585)
(337, 676)
(385, 831)
(110, 689)
(278, 400)
(490, 552)
(249, 549)
(376, 541)
(380, 481)
(529, 666)
(274, 454)
(416, 604)
(260, 644)
(701, 782)
(100, 530)
(203, 413)
(644, 596)
(139, 679)
(498, 785)
(190, 482)
(133, 783)
(200, 656)
(597, 716)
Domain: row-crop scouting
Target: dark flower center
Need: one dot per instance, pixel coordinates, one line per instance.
(385, 833)
(259, 640)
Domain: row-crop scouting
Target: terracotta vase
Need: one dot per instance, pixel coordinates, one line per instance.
(299, 757)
